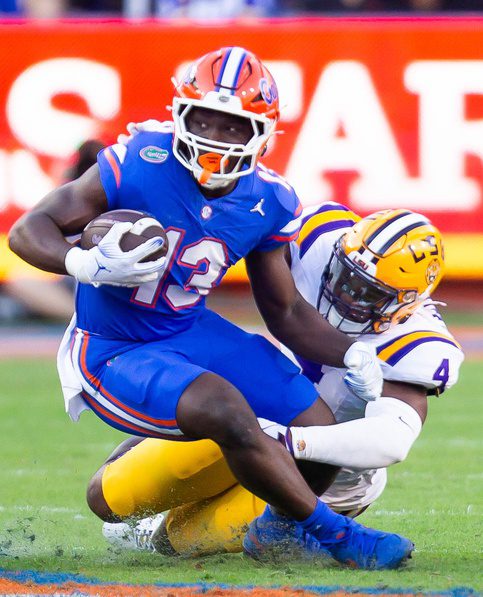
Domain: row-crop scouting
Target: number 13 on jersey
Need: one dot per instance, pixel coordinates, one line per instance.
(206, 260)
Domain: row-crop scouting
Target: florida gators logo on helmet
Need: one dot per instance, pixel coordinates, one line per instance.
(269, 91)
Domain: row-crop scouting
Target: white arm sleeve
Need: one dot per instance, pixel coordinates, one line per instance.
(383, 437)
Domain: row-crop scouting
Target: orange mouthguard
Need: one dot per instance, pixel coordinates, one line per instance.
(211, 162)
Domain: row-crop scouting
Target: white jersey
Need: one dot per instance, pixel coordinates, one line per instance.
(420, 351)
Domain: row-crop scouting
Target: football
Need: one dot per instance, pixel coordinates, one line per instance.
(145, 227)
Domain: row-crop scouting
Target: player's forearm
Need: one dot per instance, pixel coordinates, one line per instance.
(39, 241)
(306, 333)
(382, 438)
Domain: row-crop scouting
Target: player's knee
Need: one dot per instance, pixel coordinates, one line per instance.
(240, 431)
(232, 425)
(96, 501)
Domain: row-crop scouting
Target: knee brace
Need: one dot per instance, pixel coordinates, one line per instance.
(157, 475)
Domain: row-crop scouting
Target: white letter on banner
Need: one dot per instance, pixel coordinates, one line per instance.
(345, 98)
(446, 137)
(4, 175)
(40, 126)
(28, 183)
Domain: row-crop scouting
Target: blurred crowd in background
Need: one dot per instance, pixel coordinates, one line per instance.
(215, 9)
(27, 293)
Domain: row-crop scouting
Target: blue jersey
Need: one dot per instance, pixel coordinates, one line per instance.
(206, 236)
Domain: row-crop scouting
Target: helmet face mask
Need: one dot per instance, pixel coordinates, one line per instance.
(230, 81)
(380, 271)
(225, 161)
(354, 301)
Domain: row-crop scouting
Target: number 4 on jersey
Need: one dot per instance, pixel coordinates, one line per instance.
(442, 374)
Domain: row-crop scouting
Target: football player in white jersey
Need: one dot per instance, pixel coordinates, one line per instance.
(373, 281)
(371, 278)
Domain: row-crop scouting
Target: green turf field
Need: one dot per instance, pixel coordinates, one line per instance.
(435, 497)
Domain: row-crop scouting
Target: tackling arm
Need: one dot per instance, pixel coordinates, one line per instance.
(383, 437)
(288, 316)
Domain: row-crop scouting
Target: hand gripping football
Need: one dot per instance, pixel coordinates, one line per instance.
(145, 227)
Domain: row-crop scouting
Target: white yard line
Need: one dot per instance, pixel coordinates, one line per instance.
(48, 509)
(470, 511)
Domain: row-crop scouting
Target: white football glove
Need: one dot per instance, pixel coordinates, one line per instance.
(364, 374)
(148, 126)
(107, 263)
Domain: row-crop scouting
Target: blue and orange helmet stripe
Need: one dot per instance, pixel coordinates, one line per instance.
(231, 68)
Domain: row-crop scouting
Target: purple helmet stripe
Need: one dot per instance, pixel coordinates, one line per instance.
(322, 229)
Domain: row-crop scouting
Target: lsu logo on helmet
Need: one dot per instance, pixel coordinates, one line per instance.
(381, 270)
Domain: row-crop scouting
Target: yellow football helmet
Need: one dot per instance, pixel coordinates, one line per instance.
(380, 271)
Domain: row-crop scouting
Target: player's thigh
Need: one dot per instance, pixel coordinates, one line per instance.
(272, 385)
(138, 390)
(212, 407)
(156, 475)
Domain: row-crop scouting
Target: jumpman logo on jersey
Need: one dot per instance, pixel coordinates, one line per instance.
(258, 208)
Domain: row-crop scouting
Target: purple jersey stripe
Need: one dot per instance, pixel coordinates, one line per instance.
(310, 369)
(322, 229)
(402, 352)
(392, 341)
(323, 209)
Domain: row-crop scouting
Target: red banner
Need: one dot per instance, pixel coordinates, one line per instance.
(378, 113)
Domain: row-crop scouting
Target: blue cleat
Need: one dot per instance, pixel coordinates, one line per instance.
(271, 536)
(357, 546)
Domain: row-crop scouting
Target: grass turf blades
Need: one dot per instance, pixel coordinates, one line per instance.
(45, 525)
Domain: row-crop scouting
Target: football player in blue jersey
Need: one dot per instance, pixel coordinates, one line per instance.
(145, 354)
